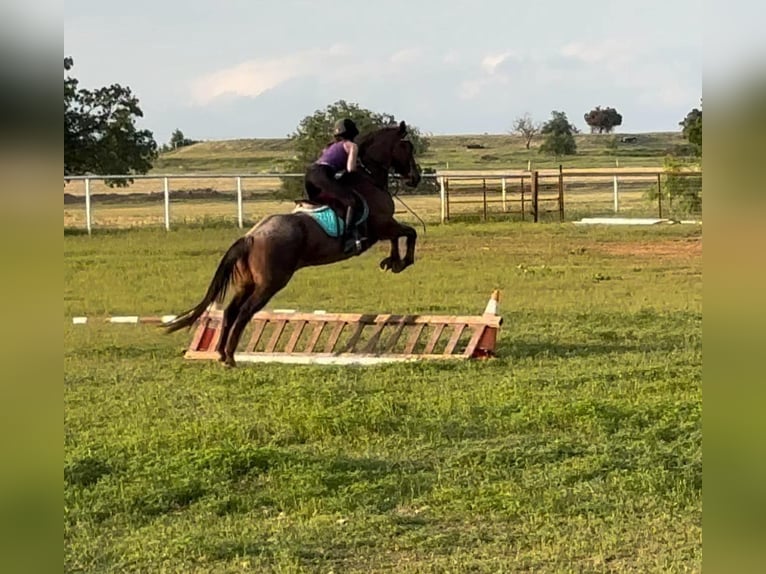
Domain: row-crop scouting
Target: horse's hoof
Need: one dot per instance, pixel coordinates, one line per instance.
(229, 362)
(400, 266)
(389, 264)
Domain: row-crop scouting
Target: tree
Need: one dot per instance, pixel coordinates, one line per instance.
(526, 128)
(100, 135)
(178, 139)
(314, 132)
(691, 128)
(559, 136)
(603, 120)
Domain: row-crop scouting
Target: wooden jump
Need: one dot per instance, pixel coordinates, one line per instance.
(353, 338)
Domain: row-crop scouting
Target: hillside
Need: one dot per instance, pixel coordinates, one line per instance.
(490, 151)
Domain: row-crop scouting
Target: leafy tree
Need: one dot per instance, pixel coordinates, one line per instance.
(526, 128)
(100, 135)
(603, 120)
(681, 193)
(559, 136)
(178, 139)
(314, 132)
(691, 128)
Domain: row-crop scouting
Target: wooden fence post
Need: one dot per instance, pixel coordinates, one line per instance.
(523, 213)
(561, 193)
(535, 195)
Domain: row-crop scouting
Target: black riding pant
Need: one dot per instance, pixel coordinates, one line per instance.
(322, 179)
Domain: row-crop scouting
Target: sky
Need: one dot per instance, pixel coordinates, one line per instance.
(231, 69)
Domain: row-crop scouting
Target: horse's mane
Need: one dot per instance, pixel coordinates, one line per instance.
(365, 140)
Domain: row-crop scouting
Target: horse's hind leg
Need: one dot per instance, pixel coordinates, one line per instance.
(259, 297)
(230, 315)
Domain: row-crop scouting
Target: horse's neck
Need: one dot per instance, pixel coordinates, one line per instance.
(378, 174)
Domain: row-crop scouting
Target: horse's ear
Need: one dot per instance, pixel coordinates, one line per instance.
(402, 128)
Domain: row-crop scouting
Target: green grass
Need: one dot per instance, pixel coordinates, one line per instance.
(500, 152)
(577, 450)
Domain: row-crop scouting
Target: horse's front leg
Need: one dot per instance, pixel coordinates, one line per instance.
(394, 262)
(394, 259)
(412, 237)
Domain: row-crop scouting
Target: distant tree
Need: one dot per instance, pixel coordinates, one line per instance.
(603, 120)
(100, 135)
(314, 132)
(559, 136)
(691, 128)
(526, 128)
(177, 140)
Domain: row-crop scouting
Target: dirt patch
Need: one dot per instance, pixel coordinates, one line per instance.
(690, 248)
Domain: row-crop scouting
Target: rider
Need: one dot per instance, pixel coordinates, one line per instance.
(333, 171)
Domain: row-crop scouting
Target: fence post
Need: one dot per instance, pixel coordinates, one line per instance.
(446, 196)
(240, 223)
(523, 214)
(484, 195)
(167, 205)
(443, 198)
(503, 194)
(561, 193)
(616, 192)
(659, 193)
(87, 205)
(535, 195)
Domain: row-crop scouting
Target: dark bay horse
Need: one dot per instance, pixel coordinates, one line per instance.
(261, 263)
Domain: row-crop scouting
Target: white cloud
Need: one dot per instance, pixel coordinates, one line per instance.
(669, 96)
(253, 77)
(491, 75)
(451, 57)
(612, 54)
(624, 63)
(469, 89)
(337, 64)
(490, 62)
(406, 56)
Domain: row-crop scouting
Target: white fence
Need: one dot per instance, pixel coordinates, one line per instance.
(166, 179)
(455, 187)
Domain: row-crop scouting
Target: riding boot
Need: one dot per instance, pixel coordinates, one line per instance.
(351, 242)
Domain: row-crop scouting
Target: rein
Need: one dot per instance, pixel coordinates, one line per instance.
(394, 195)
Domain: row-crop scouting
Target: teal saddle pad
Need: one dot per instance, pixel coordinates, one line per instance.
(330, 223)
(327, 220)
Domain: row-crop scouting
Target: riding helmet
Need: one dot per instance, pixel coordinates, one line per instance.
(346, 128)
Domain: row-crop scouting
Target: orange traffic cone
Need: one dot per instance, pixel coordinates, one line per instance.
(486, 345)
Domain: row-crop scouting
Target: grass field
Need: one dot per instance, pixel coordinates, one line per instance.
(577, 450)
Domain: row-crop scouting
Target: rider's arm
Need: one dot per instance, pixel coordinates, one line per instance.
(353, 152)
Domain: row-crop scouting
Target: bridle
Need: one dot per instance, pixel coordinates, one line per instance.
(369, 165)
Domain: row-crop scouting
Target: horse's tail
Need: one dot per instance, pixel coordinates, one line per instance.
(216, 291)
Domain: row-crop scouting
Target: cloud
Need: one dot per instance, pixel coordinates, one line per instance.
(495, 70)
(337, 65)
(639, 68)
(452, 57)
(611, 53)
(406, 56)
(254, 77)
(490, 62)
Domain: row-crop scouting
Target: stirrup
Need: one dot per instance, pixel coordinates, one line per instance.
(354, 244)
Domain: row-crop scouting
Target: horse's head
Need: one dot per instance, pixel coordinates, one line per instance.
(388, 148)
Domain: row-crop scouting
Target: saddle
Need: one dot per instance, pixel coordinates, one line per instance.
(329, 216)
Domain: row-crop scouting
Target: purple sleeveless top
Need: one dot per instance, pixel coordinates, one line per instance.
(334, 155)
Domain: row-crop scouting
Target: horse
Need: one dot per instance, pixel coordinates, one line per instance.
(261, 263)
